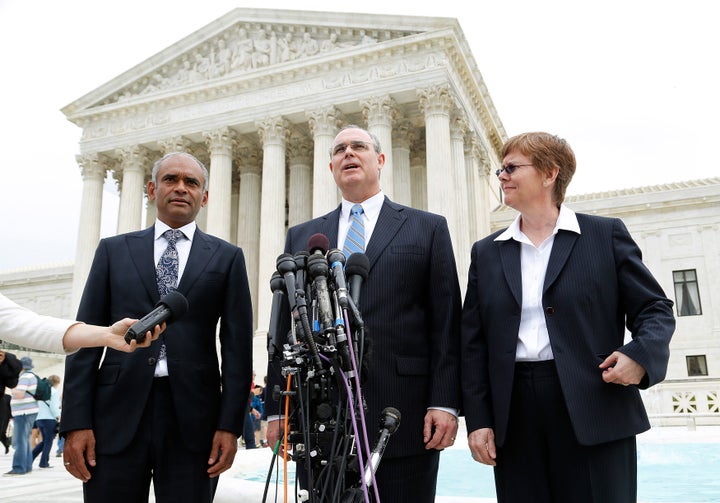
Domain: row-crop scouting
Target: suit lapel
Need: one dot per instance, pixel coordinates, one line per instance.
(329, 226)
(141, 248)
(200, 252)
(389, 221)
(563, 244)
(510, 259)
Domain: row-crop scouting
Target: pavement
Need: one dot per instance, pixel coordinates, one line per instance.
(55, 485)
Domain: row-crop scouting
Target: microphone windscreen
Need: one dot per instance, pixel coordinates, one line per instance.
(357, 263)
(390, 419)
(318, 242)
(176, 303)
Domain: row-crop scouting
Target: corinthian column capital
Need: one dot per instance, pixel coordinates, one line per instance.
(220, 140)
(273, 130)
(435, 100)
(324, 121)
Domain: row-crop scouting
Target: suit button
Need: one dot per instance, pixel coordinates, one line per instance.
(151, 361)
(549, 310)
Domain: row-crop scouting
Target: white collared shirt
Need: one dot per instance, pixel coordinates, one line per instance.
(533, 337)
(183, 246)
(371, 212)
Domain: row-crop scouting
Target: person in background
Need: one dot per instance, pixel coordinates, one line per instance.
(170, 413)
(551, 385)
(257, 410)
(10, 369)
(47, 421)
(46, 333)
(24, 411)
(410, 304)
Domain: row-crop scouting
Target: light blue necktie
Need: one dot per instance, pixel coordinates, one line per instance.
(166, 273)
(355, 239)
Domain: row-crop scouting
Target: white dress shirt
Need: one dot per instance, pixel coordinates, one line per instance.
(183, 246)
(533, 337)
(371, 211)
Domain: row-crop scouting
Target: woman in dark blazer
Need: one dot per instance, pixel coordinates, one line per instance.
(550, 383)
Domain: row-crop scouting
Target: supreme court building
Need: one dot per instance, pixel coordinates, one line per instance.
(258, 96)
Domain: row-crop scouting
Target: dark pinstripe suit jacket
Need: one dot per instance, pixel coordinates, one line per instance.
(111, 399)
(411, 307)
(595, 285)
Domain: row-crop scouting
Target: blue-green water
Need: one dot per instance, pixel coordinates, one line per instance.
(688, 473)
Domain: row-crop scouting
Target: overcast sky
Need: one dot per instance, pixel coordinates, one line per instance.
(634, 87)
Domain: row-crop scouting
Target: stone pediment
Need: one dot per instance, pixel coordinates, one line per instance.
(246, 42)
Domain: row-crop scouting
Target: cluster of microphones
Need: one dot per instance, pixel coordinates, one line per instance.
(320, 285)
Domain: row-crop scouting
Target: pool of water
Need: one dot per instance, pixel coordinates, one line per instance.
(667, 473)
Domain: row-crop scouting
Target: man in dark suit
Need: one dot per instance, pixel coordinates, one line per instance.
(168, 412)
(551, 385)
(410, 303)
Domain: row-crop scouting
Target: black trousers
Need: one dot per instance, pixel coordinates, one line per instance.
(157, 453)
(542, 461)
(4, 418)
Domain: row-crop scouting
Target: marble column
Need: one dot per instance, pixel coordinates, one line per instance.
(273, 132)
(220, 144)
(418, 175)
(402, 187)
(134, 161)
(436, 103)
(379, 112)
(458, 126)
(324, 124)
(93, 168)
(248, 218)
(478, 165)
(300, 195)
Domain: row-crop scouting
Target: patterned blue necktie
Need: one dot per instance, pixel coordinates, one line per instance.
(167, 271)
(169, 264)
(355, 239)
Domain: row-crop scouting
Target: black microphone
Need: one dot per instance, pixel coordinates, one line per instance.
(389, 422)
(318, 269)
(301, 259)
(285, 264)
(336, 259)
(277, 285)
(356, 270)
(169, 308)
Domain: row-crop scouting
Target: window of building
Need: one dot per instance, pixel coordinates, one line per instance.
(696, 365)
(687, 295)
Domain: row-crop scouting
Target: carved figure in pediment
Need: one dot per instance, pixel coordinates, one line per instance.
(222, 59)
(202, 64)
(286, 48)
(309, 46)
(329, 44)
(242, 52)
(186, 74)
(261, 55)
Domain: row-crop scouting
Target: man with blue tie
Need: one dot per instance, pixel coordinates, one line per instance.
(410, 303)
(167, 413)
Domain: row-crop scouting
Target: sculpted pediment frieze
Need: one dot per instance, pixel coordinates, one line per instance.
(246, 47)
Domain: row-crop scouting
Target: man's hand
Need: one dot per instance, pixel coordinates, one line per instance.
(439, 430)
(618, 368)
(273, 434)
(222, 453)
(482, 446)
(79, 452)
